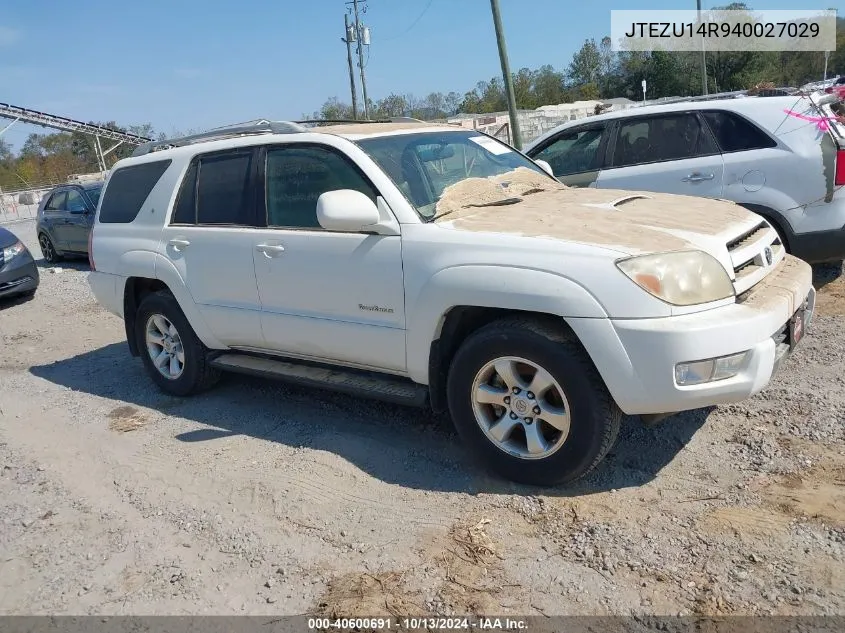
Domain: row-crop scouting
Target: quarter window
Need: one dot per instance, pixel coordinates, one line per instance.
(735, 134)
(297, 176)
(128, 188)
(661, 138)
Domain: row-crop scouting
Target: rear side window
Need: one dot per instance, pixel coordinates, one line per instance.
(735, 134)
(128, 189)
(661, 138)
(223, 189)
(185, 211)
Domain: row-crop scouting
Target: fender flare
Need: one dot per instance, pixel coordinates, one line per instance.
(489, 286)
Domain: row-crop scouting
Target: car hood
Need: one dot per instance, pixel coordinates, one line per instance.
(7, 238)
(631, 222)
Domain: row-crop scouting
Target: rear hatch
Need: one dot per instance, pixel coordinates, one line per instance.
(829, 107)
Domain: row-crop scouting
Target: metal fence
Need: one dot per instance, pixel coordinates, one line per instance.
(21, 204)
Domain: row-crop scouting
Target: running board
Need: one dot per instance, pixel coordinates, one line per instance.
(356, 383)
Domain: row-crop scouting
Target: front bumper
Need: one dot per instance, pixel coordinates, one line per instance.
(637, 357)
(18, 276)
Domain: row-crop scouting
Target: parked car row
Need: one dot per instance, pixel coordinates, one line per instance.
(750, 151)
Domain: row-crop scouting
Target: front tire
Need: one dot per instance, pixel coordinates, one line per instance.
(527, 400)
(173, 355)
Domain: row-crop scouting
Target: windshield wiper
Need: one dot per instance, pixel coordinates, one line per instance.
(496, 203)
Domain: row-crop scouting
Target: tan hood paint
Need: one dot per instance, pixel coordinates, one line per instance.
(639, 222)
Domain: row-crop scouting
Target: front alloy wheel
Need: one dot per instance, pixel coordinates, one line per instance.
(528, 401)
(520, 407)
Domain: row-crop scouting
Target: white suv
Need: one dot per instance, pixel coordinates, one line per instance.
(748, 150)
(425, 264)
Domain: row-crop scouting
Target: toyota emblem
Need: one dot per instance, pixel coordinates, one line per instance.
(768, 255)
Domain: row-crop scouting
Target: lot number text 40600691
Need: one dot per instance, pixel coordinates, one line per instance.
(416, 624)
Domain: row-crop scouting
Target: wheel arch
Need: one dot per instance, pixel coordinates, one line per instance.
(458, 324)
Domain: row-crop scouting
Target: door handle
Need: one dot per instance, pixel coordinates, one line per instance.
(270, 250)
(697, 177)
(179, 244)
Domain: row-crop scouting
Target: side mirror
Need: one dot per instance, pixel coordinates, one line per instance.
(546, 167)
(346, 210)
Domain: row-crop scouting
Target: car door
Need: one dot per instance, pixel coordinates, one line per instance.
(210, 238)
(576, 154)
(668, 153)
(78, 217)
(55, 219)
(331, 296)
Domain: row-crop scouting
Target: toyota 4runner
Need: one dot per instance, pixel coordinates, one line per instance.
(433, 265)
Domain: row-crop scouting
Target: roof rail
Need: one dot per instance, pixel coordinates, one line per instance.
(259, 126)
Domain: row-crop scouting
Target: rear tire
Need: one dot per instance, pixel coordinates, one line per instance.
(173, 355)
(48, 251)
(554, 436)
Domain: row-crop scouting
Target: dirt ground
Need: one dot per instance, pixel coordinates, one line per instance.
(263, 499)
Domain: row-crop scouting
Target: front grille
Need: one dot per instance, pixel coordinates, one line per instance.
(748, 253)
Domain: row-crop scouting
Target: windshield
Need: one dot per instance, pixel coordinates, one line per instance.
(94, 194)
(423, 165)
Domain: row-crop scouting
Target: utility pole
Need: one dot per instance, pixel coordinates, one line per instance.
(516, 136)
(359, 35)
(703, 55)
(349, 34)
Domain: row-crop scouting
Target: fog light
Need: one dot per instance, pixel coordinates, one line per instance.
(702, 371)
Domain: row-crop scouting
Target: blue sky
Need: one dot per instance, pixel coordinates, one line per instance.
(182, 64)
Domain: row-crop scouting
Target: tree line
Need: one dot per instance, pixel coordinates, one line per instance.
(594, 72)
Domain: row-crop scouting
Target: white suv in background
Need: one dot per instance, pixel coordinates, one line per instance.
(748, 150)
(424, 264)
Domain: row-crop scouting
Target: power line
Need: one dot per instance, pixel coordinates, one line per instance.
(413, 24)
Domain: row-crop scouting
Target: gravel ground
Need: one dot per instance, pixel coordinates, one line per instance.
(258, 498)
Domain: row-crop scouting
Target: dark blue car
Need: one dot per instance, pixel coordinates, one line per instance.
(65, 217)
(18, 272)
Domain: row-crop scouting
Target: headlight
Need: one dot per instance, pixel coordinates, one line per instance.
(11, 251)
(682, 278)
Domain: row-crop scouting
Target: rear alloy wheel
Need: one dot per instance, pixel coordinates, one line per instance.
(47, 249)
(164, 345)
(528, 401)
(174, 356)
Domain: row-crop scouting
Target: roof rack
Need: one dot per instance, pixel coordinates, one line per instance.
(710, 97)
(401, 119)
(259, 126)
